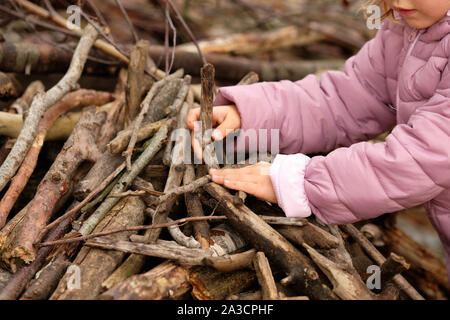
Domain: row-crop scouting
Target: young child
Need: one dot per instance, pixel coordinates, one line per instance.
(400, 78)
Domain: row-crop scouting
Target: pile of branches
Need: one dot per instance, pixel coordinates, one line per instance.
(121, 214)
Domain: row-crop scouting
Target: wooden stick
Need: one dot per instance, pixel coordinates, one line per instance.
(256, 42)
(161, 249)
(175, 232)
(194, 209)
(70, 101)
(298, 267)
(96, 265)
(120, 142)
(134, 228)
(232, 68)
(42, 287)
(77, 208)
(337, 265)
(231, 262)
(165, 281)
(127, 193)
(14, 222)
(208, 86)
(427, 272)
(393, 266)
(100, 171)
(194, 185)
(208, 284)
(265, 277)
(176, 173)
(100, 44)
(22, 104)
(132, 265)
(126, 180)
(20, 279)
(41, 102)
(135, 88)
(311, 234)
(379, 259)
(188, 30)
(78, 148)
(145, 105)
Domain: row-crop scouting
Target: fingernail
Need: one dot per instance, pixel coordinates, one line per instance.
(217, 135)
(214, 177)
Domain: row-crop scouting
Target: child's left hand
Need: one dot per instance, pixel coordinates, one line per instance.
(253, 179)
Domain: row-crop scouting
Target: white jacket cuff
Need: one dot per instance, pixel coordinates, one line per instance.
(287, 174)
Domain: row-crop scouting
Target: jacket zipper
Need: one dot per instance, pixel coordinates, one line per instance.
(413, 38)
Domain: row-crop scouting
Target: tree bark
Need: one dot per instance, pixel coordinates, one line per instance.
(42, 287)
(208, 284)
(78, 148)
(137, 83)
(96, 264)
(166, 281)
(265, 278)
(20, 278)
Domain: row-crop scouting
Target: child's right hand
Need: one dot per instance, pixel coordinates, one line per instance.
(225, 120)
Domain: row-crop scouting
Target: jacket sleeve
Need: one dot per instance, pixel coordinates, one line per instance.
(367, 179)
(315, 115)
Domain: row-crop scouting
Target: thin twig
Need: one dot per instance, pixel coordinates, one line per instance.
(127, 193)
(32, 22)
(106, 47)
(184, 189)
(134, 228)
(100, 31)
(50, 7)
(188, 30)
(72, 212)
(166, 39)
(19, 14)
(98, 13)
(174, 40)
(156, 143)
(127, 18)
(145, 105)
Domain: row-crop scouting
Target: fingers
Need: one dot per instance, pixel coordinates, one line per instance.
(192, 117)
(236, 181)
(221, 117)
(235, 177)
(248, 187)
(254, 184)
(260, 168)
(227, 126)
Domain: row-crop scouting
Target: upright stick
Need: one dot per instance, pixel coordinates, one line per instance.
(207, 79)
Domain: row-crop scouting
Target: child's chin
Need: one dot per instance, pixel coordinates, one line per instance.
(419, 23)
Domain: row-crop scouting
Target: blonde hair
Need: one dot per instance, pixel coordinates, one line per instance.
(386, 12)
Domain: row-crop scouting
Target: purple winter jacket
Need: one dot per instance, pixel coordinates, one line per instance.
(400, 80)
